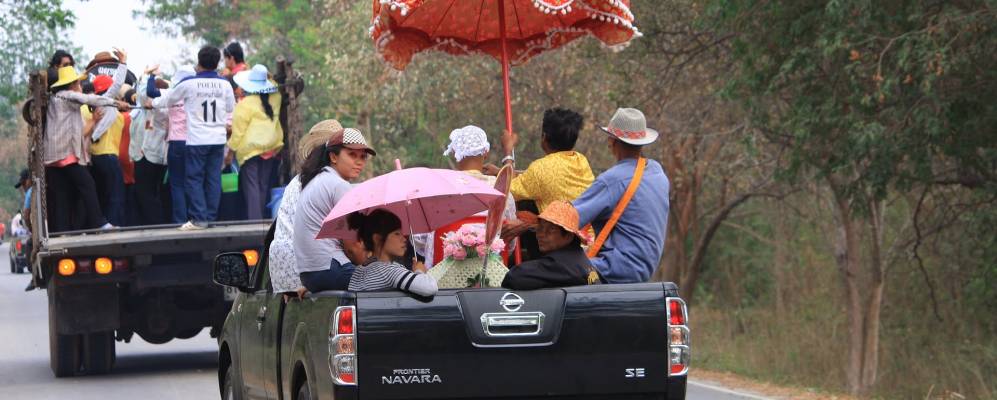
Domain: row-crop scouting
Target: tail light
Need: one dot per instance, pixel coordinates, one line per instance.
(120, 265)
(678, 336)
(67, 267)
(103, 265)
(100, 265)
(343, 346)
(17, 246)
(84, 266)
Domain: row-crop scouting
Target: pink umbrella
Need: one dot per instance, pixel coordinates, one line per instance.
(423, 198)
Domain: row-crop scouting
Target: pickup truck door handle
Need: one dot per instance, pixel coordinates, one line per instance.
(512, 324)
(260, 317)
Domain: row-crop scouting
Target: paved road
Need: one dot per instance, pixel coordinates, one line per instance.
(181, 369)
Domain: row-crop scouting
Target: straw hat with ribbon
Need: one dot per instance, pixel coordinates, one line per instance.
(317, 136)
(255, 81)
(68, 75)
(629, 126)
(564, 215)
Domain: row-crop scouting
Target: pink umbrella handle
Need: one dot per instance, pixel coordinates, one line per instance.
(398, 164)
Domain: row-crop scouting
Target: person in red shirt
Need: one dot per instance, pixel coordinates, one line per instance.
(126, 163)
(235, 60)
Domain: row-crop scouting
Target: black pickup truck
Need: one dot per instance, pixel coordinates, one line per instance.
(587, 342)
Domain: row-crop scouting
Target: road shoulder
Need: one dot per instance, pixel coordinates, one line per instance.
(732, 384)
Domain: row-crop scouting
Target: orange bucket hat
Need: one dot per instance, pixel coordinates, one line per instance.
(563, 214)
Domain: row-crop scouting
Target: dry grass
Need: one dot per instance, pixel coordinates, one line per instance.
(919, 357)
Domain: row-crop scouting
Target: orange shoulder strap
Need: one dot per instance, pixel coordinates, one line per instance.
(620, 207)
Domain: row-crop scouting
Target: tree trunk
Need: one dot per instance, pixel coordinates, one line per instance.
(674, 262)
(847, 258)
(688, 284)
(781, 259)
(870, 348)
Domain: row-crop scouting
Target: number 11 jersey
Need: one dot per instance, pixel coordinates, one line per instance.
(208, 100)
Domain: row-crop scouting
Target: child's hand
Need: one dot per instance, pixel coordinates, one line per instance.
(418, 266)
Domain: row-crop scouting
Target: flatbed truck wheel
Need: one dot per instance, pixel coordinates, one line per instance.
(64, 350)
(98, 352)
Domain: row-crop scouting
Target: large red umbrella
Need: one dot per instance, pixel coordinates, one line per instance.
(511, 31)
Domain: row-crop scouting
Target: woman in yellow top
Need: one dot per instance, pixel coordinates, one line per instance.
(256, 137)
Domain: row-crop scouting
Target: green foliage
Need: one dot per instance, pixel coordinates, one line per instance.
(210, 20)
(30, 31)
(877, 94)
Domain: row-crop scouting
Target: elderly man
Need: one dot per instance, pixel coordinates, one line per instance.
(628, 204)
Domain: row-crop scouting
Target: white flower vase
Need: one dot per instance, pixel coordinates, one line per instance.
(457, 274)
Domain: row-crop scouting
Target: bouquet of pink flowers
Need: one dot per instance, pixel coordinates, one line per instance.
(469, 242)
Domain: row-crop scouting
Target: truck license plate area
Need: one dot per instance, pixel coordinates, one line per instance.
(512, 324)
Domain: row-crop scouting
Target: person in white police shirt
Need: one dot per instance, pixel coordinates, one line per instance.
(207, 100)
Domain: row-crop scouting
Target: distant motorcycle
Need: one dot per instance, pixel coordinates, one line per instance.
(19, 246)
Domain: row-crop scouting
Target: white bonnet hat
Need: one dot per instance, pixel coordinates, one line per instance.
(468, 141)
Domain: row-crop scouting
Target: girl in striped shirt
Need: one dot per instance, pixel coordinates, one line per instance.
(380, 231)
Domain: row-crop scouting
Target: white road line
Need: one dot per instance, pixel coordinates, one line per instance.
(728, 391)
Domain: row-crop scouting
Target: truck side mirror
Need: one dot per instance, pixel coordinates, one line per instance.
(232, 269)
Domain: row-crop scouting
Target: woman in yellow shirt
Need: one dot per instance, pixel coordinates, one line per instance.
(257, 137)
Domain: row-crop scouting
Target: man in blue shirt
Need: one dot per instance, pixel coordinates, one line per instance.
(634, 245)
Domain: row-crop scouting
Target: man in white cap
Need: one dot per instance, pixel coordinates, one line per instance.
(627, 205)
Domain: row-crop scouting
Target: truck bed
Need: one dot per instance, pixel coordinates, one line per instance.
(143, 240)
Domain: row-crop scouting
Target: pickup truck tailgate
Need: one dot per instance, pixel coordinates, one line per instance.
(500, 343)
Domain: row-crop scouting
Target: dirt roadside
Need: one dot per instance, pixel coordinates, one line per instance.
(734, 382)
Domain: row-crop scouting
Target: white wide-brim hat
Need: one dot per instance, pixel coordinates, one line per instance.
(255, 81)
(629, 126)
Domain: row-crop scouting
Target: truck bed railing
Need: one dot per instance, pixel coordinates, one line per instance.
(148, 227)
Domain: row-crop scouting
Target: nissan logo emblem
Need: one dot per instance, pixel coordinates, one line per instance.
(511, 302)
